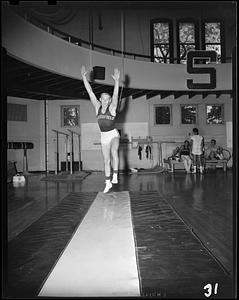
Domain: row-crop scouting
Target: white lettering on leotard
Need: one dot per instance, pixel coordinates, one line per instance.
(106, 117)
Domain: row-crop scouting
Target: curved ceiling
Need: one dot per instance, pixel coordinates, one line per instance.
(26, 81)
(33, 70)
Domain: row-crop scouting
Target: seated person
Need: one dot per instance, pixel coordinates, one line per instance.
(175, 154)
(219, 153)
(213, 151)
(184, 153)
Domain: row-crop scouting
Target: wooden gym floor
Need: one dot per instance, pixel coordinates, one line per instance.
(183, 227)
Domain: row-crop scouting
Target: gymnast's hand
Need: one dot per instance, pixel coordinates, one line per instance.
(116, 75)
(83, 71)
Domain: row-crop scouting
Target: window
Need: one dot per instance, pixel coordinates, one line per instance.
(16, 112)
(189, 114)
(163, 114)
(187, 39)
(162, 41)
(214, 114)
(213, 38)
(70, 116)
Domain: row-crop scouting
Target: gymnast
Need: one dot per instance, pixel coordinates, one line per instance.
(105, 109)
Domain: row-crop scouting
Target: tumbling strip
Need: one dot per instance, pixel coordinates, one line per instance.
(100, 258)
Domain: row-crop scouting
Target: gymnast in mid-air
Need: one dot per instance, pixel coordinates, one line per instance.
(105, 109)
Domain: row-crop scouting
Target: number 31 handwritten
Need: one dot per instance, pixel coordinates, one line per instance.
(208, 287)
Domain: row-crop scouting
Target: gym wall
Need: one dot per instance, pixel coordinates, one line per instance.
(35, 46)
(29, 131)
(131, 123)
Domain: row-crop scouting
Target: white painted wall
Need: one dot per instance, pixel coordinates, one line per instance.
(137, 120)
(29, 131)
(179, 132)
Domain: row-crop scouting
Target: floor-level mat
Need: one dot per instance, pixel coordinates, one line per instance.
(65, 176)
(172, 262)
(100, 259)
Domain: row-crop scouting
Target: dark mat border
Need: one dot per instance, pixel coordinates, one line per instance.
(33, 253)
(172, 261)
(162, 240)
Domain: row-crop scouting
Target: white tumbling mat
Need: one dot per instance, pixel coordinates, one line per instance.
(100, 259)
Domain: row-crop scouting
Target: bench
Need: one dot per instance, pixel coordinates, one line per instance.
(216, 162)
(180, 165)
(175, 164)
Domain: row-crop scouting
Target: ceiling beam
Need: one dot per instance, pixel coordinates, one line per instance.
(101, 88)
(55, 81)
(65, 84)
(42, 92)
(191, 95)
(26, 75)
(152, 94)
(104, 89)
(178, 94)
(127, 93)
(164, 94)
(33, 96)
(139, 93)
(205, 94)
(33, 76)
(13, 93)
(13, 65)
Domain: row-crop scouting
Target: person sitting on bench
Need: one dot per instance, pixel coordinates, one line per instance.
(184, 153)
(213, 151)
(219, 153)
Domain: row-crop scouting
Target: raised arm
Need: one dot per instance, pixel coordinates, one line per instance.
(116, 78)
(92, 96)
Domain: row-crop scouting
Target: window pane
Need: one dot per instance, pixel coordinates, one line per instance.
(162, 60)
(214, 114)
(162, 51)
(183, 52)
(212, 33)
(161, 33)
(189, 114)
(216, 48)
(186, 33)
(161, 41)
(162, 115)
(70, 116)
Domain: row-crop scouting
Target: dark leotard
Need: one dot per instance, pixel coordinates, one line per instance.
(185, 150)
(106, 121)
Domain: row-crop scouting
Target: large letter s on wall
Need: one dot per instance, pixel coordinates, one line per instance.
(191, 69)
